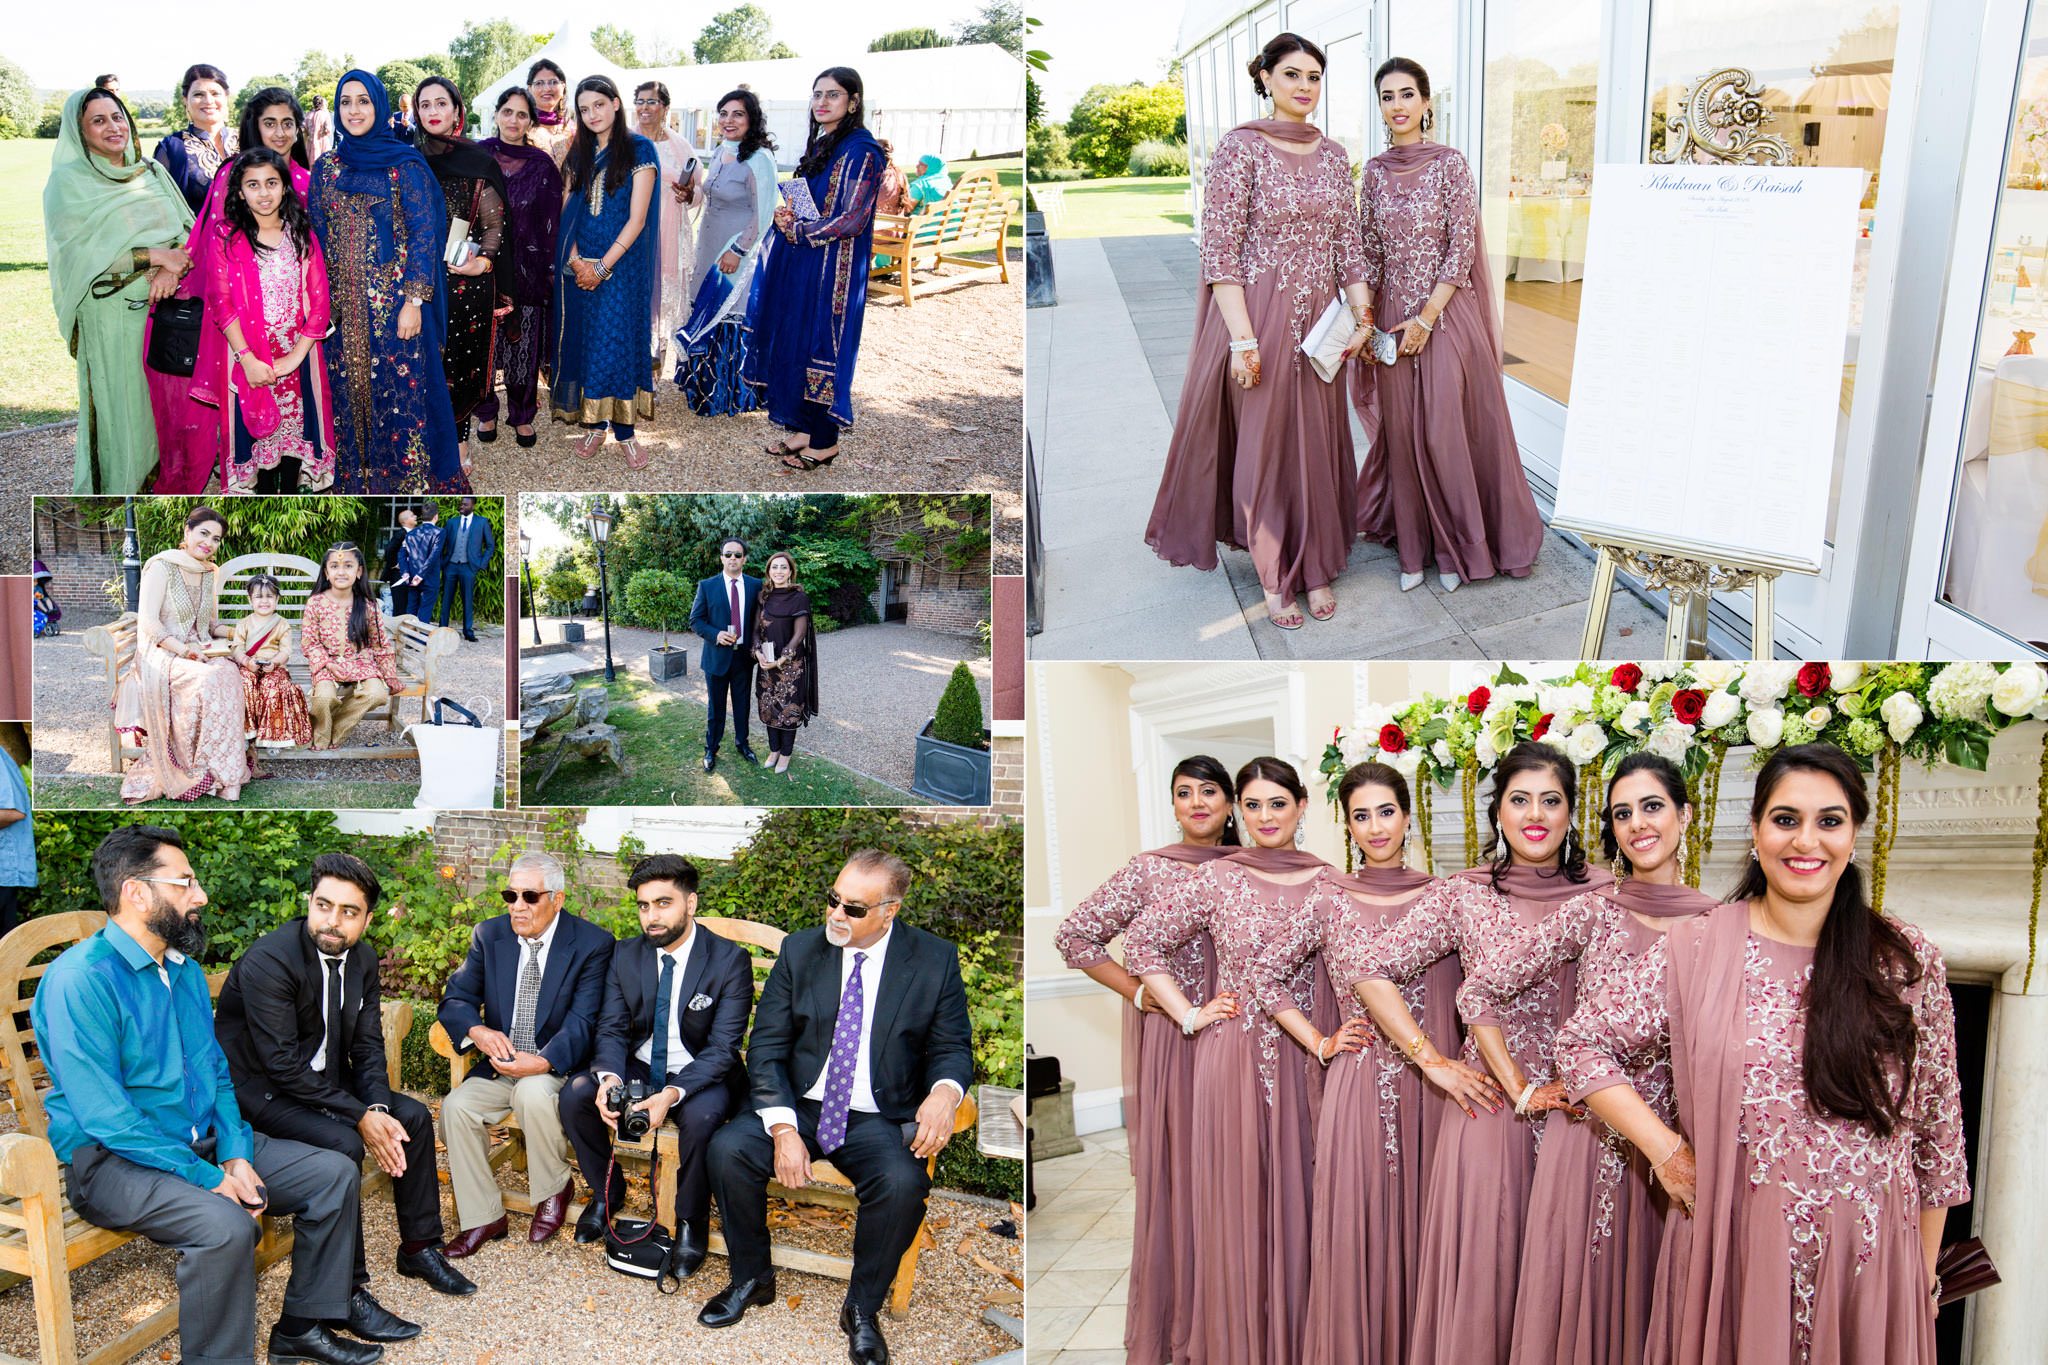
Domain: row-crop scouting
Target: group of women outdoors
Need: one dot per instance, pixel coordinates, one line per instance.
(1261, 457)
(1534, 1111)
(251, 316)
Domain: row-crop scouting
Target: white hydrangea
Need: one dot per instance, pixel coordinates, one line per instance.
(1585, 743)
(1634, 718)
(1374, 717)
(1483, 752)
(1441, 751)
(1715, 673)
(1818, 718)
(2019, 689)
(1764, 682)
(1567, 703)
(1766, 726)
(1659, 670)
(1512, 694)
(1902, 715)
(1960, 690)
(1359, 745)
(1722, 709)
(1844, 674)
(1670, 740)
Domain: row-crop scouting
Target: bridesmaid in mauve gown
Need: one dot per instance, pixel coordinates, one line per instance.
(1261, 455)
(1255, 1091)
(1596, 1218)
(1477, 1196)
(1820, 1129)
(1159, 1060)
(1442, 479)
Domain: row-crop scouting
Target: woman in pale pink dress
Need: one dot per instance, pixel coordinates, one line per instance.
(1469, 1257)
(1261, 455)
(1813, 1059)
(682, 172)
(185, 708)
(1255, 1089)
(1596, 1218)
(1442, 479)
(1379, 1123)
(1159, 1060)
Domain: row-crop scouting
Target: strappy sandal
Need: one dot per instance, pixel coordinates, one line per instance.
(632, 449)
(806, 463)
(1284, 615)
(781, 448)
(1326, 612)
(588, 446)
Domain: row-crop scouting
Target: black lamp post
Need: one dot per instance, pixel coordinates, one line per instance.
(600, 531)
(532, 604)
(131, 561)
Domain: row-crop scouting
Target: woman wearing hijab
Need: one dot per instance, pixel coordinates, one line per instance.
(738, 197)
(114, 225)
(786, 683)
(1158, 1058)
(472, 192)
(807, 308)
(1255, 1087)
(195, 153)
(378, 212)
(534, 184)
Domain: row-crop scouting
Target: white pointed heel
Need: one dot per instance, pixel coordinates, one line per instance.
(1410, 582)
(1449, 580)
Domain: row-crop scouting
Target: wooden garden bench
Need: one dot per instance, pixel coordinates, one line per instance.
(976, 209)
(42, 1238)
(828, 1187)
(421, 647)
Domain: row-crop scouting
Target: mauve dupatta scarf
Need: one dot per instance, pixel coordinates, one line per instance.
(1548, 887)
(1272, 861)
(1192, 854)
(1659, 902)
(1441, 979)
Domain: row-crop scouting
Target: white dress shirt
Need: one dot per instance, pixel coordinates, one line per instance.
(678, 1055)
(546, 941)
(320, 1058)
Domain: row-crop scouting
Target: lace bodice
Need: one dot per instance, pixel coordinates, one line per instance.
(1146, 880)
(1279, 221)
(1419, 229)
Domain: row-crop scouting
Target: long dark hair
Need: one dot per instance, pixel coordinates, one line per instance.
(1203, 768)
(1528, 757)
(249, 132)
(757, 123)
(582, 157)
(361, 608)
(1859, 1028)
(1278, 46)
(818, 152)
(237, 216)
(1668, 777)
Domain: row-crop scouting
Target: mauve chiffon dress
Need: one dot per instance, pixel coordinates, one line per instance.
(1253, 1130)
(1596, 1214)
(1442, 479)
(1159, 1082)
(1269, 469)
(1816, 1220)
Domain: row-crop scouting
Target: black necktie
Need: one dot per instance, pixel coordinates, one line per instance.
(658, 1059)
(334, 1019)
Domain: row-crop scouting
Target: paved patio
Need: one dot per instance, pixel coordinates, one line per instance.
(1077, 1254)
(1107, 365)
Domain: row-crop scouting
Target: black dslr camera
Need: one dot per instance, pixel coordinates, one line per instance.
(622, 1097)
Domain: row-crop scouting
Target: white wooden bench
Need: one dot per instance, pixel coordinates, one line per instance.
(976, 209)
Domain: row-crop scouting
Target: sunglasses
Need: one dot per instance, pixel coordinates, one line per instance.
(732, 554)
(854, 909)
(530, 897)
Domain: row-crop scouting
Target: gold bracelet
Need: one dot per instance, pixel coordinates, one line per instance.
(1414, 1047)
(1668, 1155)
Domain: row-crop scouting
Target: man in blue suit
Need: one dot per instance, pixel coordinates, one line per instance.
(419, 568)
(725, 614)
(466, 546)
(528, 997)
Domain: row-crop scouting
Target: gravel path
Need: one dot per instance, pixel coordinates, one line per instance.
(15, 541)
(878, 686)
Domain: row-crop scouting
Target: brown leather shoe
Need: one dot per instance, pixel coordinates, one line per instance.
(549, 1213)
(470, 1240)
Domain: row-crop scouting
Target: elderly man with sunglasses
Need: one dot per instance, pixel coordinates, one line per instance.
(861, 1051)
(527, 997)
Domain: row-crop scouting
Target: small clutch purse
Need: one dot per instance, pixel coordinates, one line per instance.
(1964, 1268)
(1385, 347)
(1325, 342)
(797, 194)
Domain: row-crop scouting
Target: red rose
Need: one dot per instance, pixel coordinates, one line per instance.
(1542, 727)
(1476, 702)
(1392, 741)
(1687, 705)
(1627, 677)
(1814, 679)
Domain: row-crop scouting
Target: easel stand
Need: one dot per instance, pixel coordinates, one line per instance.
(1692, 584)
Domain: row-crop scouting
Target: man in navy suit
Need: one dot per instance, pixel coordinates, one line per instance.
(725, 615)
(466, 546)
(675, 1008)
(528, 997)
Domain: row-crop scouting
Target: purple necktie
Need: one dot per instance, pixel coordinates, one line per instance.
(739, 620)
(839, 1068)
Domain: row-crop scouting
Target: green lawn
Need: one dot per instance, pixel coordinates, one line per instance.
(37, 381)
(104, 793)
(1128, 206)
(663, 734)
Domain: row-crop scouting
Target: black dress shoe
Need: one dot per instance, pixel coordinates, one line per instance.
(731, 1303)
(748, 754)
(710, 759)
(590, 1227)
(372, 1321)
(318, 1346)
(471, 638)
(864, 1344)
(432, 1266)
(694, 1244)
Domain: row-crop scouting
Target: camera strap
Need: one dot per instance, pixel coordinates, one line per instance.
(668, 1278)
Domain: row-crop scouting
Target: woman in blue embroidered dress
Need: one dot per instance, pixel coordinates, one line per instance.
(605, 256)
(378, 212)
(805, 315)
(739, 201)
(195, 153)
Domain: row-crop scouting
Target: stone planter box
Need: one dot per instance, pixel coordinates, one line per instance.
(1052, 1124)
(1039, 290)
(950, 774)
(668, 661)
(572, 632)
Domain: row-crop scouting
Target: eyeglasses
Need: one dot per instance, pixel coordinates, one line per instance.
(854, 909)
(530, 897)
(646, 104)
(547, 83)
(186, 882)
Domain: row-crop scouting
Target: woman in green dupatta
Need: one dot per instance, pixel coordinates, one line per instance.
(115, 227)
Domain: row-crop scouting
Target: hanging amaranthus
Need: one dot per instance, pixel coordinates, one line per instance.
(1468, 781)
(1889, 763)
(1706, 800)
(1423, 811)
(2040, 858)
(1590, 801)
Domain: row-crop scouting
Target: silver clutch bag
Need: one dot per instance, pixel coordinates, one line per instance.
(1385, 347)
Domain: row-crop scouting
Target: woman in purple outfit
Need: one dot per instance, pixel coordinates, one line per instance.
(1253, 1109)
(1442, 479)
(1261, 455)
(1813, 1060)
(1596, 1218)
(1159, 1060)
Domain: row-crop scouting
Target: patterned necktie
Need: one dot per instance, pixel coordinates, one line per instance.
(333, 1067)
(529, 999)
(658, 1059)
(845, 1055)
(739, 620)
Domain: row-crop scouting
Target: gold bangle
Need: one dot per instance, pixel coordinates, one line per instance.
(1414, 1047)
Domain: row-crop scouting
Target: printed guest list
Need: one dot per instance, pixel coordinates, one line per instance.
(1707, 381)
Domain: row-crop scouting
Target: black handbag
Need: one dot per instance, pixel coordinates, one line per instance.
(644, 1249)
(175, 325)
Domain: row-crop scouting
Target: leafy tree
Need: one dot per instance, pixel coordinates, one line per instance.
(1105, 130)
(958, 720)
(909, 39)
(1034, 102)
(782, 50)
(400, 79)
(485, 51)
(52, 117)
(616, 43)
(565, 583)
(248, 89)
(439, 64)
(21, 108)
(658, 595)
(998, 21)
(736, 35)
(318, 74)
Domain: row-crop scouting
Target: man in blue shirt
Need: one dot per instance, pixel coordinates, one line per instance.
(142, 1114)
(17, 842)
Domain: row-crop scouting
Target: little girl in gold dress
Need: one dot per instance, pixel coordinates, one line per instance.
(262, 648)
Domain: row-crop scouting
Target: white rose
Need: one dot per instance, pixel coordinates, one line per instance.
(1358, 745)
(1902, 715)
(1405, 762)
(1670, 740)
(1818, 717)
(1715, 673)
(1585, 743)
(1483, 752)
(1634, 718)
(1441, 750)
(1844, 675)
(1765, 681)
(1766, 725)
(2019, 689)
(1721, 709)
(2040, 711)
(1659, 670)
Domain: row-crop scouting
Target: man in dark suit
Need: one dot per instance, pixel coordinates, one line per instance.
(394, 578)
(675, 1009)
(725, 615)
(861, 1051)
(300, 1023)
(419, 563)
(466, 546)
(527, 996)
